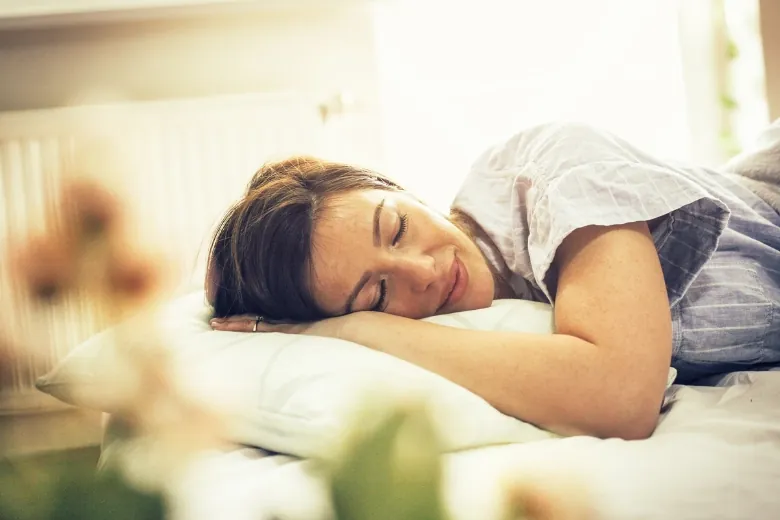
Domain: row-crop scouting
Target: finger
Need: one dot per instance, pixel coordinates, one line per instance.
(234, 324)
(239, 317)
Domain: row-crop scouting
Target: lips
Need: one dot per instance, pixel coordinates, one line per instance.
(457, 282)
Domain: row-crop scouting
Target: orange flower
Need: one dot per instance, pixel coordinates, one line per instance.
(548, 495)
(47, 267)
(132, 278)
(89, 210)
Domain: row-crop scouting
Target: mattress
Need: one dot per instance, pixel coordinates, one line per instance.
(715, 454)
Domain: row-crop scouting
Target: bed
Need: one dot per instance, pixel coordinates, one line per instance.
(715, 454)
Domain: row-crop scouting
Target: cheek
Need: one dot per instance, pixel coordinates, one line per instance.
(480, 280)
(481, 289)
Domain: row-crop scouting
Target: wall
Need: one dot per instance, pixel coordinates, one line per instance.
(497, 66)
(770, 33)
(317, 52)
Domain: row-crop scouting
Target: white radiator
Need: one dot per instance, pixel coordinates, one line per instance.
(194, 157)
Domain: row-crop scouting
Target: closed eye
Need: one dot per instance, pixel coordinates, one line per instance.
(401, 229)
(381, 303)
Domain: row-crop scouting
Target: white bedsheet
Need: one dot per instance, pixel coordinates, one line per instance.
(715, 455)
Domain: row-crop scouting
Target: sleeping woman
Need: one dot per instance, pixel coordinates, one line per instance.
(646, 263)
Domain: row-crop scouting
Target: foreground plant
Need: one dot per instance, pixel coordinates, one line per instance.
(86, 255)
(65, 487)
(394, 471)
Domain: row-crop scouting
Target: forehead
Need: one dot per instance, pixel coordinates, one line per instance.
(345, 214)
(342, 245)
(351, 204)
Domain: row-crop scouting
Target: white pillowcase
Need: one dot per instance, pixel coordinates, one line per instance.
(297, 394)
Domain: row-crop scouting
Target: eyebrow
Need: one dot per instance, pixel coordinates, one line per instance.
(359, 287)
(377, 215)
(367, 275)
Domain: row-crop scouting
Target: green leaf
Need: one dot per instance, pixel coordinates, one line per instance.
(732, 51)
(728, 102)
(393, 472)
(63, 487)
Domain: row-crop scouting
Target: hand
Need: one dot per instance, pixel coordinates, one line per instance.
(328, 328)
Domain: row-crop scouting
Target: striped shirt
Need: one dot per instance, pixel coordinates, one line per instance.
(718, 243)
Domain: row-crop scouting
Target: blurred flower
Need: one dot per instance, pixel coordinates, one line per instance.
(46, 265)
(89, 210)
(87, 252)
(87, 248)
(133, 277)
(548, 496)
(169, 435)
(166, 426)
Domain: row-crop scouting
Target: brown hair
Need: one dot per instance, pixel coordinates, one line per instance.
(260, 257)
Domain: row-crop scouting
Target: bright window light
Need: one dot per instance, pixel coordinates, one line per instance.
(456, 76)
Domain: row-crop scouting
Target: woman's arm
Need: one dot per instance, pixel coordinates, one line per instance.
(603, 373)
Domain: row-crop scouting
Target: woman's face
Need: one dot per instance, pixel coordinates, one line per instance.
(385, 251)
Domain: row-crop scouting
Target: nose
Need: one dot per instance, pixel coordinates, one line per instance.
(418, 269)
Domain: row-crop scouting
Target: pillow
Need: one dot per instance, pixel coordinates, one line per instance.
(759, 167)
(297, 394)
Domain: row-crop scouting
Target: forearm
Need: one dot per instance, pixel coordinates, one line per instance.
(556, 381)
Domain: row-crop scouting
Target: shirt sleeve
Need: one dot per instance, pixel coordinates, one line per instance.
(569, 176)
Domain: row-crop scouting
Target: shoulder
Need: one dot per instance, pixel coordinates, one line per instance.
(535, 156)
(554, 142)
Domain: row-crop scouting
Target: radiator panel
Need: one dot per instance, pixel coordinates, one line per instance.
(189, 160)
